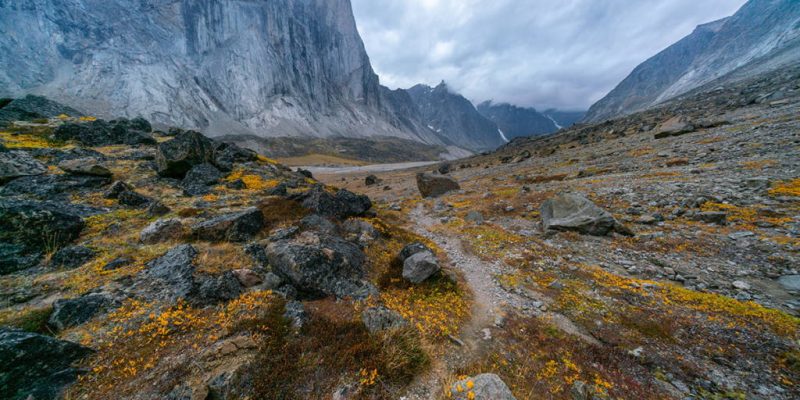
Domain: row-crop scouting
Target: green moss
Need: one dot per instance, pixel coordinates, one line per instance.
(31, 320)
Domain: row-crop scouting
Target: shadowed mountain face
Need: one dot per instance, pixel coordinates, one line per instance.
(516, 121)
(454, 117)
(270, 68)
(762, 36)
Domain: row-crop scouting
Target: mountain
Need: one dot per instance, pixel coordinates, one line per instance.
(564, 119)
(454, 117)
(516, 121)
(269, 68)
(762, 36)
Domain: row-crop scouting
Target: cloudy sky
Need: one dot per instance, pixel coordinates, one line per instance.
(542, 53)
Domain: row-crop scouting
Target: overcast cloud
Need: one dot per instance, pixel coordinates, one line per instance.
(542, 53)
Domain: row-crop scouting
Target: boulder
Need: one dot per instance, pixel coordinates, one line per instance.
(342, 204)
(320, 265)
(481, 387)
(169, 277)
(573, 212)
(72, 257)
(228, 154)
(420, 266)
(362, 232)
(199, 178)
(141, 124)
(133, 199)
(15, 164)
(74, 312)
(85, 166)
(475, 217)
(380, 318)
(36, 366)
(157, 209)
(371, 180)
(102, 133)
(30, 228)
(435, 186)
(163, 230)
(33, 107)
(444, 169)
(53, 187)
(674, 126)
(116, 189)
(411, 249)
(210, 290)
(176, 157)
(234, 227)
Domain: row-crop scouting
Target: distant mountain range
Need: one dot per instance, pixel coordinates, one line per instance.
(276, 68)
(762, 36)
(516, 122)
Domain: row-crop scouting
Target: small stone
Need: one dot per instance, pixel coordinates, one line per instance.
(740, 285)
(162, 231)
(420, 267)
(247, 277)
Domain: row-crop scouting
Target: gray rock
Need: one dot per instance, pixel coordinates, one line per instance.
(228, 154)
(675, 126)
(380, 318)
(343, 204)
(572, 212)
(85, 166)
(72, 257)
(740, 285)
(15, 164)
(169, 277)
(790, 282)
(30, 228)
(420, 267)
(484, 386)
(74, 312)
(234, 227)
(33, 107)
(411, 249)
(320, 265)
(210, 290)
(176, 157)
(296, 313)
(134, 199)
(475, 217)
(435, 186)
(371, 180)
(36, 366)
(163, 230)
(102, 133)
(199, 178)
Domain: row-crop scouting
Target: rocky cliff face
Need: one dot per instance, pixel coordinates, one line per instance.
(762, 36)
(451, 115)
(271, 68)
(516, 121)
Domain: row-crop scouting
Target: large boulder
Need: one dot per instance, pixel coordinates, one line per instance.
(198, 180)
(234, 227)
(342, 204)
(674, 126)
(33, 107)
(36, 366)
(31, 228)
(420, 266)
(163, 230)
(71, 257)
(481, 387)
(169, 277)
(228, 154)
(15, 164)
(102, 133)
(176, 157)
(411, 249)
(435, 186)
(211, 290)
(73, 312)
(320, 265)
(380, 318)
(51, 187)
(573, 212)
(85, 166)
